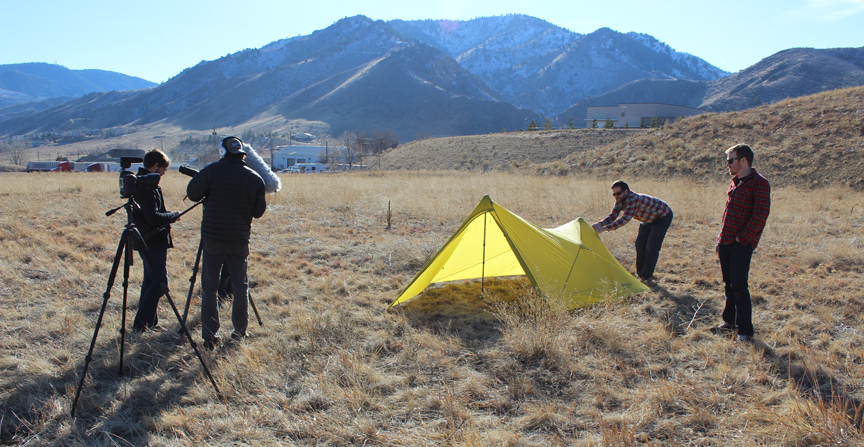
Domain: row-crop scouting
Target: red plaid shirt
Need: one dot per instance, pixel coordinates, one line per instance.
(641, 207)
(748, 203)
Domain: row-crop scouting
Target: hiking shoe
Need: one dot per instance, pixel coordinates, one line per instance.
(744, 338)
(724, 327)
(239, 335)
(212, 343)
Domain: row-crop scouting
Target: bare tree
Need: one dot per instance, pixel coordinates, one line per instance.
(208, 155)
(15, 151)
(355, 146)
(383, 140)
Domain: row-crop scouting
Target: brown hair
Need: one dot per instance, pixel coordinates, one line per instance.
(742, 151)
(621, 184)
(157, 158)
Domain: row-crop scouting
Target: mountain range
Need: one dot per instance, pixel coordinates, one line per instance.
(788, 74)
(438, 78)
(36, 81)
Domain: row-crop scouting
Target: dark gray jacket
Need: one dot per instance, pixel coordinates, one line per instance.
(235, 195)
(149, 215)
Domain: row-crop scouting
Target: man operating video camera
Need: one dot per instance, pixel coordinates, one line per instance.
(151, 215)
(235, 195)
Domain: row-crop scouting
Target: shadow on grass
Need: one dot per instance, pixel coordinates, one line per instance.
(463, 310)
(159, 370)
(687, 311)
(828, 395)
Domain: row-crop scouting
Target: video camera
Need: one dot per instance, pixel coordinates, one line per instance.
(129, 181)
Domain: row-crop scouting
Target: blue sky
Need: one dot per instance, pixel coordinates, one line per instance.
(157, 39)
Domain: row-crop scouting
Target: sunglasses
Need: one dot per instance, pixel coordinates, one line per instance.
(616, 194)
(729, 161)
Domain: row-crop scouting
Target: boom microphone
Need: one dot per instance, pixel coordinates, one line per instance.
(187, 171)
(272, 183)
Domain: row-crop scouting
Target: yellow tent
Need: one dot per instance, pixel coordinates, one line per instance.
(568, 262)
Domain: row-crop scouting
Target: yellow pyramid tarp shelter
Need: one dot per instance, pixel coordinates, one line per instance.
(570, 261)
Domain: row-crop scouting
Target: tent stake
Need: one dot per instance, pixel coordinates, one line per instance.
(388, 215)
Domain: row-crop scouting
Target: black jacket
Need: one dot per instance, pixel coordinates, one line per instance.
(235, 195)
(151, 215)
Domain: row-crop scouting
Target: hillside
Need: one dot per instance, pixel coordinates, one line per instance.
(788, 74)
(37, 80)
(537, 65)
(356, 74)
(813, 140)
(421, 78)
(808, 141)
(500, 151)
(416, 89)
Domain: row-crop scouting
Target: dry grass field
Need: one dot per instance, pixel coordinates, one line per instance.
(332, 366)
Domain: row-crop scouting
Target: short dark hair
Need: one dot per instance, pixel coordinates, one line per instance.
(157, 158)
(621, 184)
(742, 151)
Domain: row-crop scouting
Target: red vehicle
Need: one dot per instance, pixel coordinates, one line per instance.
(63, 167)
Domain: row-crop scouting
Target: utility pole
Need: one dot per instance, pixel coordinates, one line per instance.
(272, 166)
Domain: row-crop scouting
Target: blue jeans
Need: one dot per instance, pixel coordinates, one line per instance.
(648, 244)
(155, 274)
(735, 264)
(213, 257)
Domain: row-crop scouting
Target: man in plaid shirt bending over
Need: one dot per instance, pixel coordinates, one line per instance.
(655, 215)
(748, 202)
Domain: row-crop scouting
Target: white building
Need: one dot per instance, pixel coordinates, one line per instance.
(288, 156)
(638, 115)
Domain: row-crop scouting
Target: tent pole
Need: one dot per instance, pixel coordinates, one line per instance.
(483, 265)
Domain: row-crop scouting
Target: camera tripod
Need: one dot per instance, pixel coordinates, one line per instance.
(124, 250)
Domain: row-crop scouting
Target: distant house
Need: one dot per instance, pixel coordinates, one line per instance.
(303, 137)
(288, 156)
(638, 115)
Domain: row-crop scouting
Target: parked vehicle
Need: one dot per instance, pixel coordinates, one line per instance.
(310, 168)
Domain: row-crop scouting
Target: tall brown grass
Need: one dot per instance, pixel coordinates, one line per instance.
(332, 366)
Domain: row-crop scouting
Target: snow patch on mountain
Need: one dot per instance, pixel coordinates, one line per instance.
(705, 70)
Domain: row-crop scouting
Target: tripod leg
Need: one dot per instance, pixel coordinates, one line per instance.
(105, 297)
(260, 323)
(192, 285)
(126, 263)
(192, 343)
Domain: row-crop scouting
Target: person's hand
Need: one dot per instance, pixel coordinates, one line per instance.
(176, 217)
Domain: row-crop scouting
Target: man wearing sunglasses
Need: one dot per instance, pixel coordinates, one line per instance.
(748, 202)
(655, 215)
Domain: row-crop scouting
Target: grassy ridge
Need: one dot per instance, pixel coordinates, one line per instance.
(808, 141)
(813, 140)
(331, 366)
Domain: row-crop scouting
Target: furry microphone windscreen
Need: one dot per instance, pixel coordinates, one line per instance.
(254, 161)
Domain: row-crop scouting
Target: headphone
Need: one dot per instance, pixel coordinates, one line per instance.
(225, 143)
